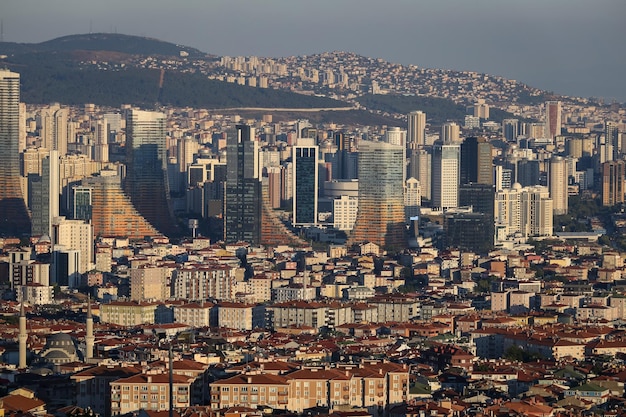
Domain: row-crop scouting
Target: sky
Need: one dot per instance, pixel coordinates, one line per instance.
(570, 47)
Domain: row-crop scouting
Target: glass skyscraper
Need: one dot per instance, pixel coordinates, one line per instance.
(242, 206)
(14, 216)
(380, 216)
(146, 159)
(305, 167)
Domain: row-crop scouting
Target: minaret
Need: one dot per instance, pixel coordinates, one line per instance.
(89, 337)
(22, 337)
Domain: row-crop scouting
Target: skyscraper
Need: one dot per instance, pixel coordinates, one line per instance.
(14, 217)
(445, 175)
(146, 180)
(450, 132)
(43, 195)
(553, 118)
(112, 212)
(416, 135)
(558, 184)
(54, 128)
(613, 182)
(242, 209)
(476, 161)
(611, 140)
(419, 168)
(510, 129)
(305, 177)
(380, 216)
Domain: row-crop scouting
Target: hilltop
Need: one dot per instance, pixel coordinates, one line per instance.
(112, 69)
(112, 42)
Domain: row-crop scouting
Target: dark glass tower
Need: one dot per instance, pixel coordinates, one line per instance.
(242, 205)
(476, 161)
(305, 170)
(14, 216)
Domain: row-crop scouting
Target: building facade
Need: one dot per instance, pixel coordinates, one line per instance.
(380, 217)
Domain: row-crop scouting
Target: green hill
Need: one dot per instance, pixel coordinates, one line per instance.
(56, 77)
(112, 42)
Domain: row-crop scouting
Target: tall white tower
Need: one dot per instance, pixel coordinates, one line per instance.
(446, 163)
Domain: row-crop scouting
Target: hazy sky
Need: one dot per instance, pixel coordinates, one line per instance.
(571, 47)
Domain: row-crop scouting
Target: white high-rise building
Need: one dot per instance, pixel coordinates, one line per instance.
(446, 162)
(521, 213)
(54, 128)
(558, 184)
(75, 235)
(416, 134)
(396, 136)
(345, 209)
(412, 198)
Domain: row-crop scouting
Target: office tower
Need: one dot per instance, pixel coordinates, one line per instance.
(613, 182)
(611, 138)
(101, 145)
(113, 214)
(305, 186)
(75, 235)
(445, 175)
(274, 175)
(574, 147)
(478, 196)
(395, 136)
(65, 267)
(553, 118)
(242, 209)
(380, 217)
(558, 184)
(14, 216)
(481, 198)
(416, 134)
(450, 133)
(54, 128)
(521, 213)
(419, 168)
(468, 231)
(81, 203)
(412, 199)
(146, 176)
(510, 129)
(476, 161)
(44, 195)
(528, 172)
